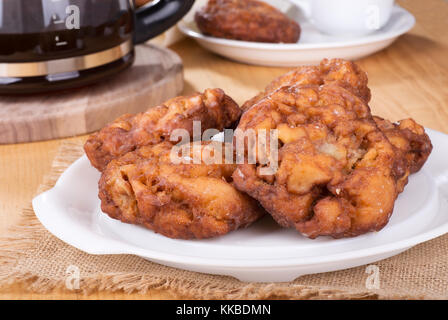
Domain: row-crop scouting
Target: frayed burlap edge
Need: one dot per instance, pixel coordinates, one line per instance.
(23, 236)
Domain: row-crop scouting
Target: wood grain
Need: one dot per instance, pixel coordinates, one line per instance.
(409, 79)
(155, 76)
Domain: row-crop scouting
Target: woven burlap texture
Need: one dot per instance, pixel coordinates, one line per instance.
(32, 256)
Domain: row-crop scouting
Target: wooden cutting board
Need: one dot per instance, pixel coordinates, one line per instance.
(156, 76)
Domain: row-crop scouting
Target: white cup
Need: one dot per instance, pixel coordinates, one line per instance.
(351, 18)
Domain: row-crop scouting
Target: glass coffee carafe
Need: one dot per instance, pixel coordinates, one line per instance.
(50, 45)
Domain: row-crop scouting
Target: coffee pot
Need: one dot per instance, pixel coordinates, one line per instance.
(48, 45)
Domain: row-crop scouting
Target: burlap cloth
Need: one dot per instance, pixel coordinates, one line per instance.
(32, 256)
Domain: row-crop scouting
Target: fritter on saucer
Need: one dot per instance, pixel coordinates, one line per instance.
(338, 175)
(249, 20)
(184, 201)
(213, 108)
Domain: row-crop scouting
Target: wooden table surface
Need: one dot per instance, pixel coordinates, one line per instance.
(409, 79)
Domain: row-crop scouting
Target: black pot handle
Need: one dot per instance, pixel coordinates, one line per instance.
(153, 20)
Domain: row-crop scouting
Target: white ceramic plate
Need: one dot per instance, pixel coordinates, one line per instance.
(311, 48)
(262, 252)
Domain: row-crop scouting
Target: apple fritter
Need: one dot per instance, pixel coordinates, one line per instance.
(340, 72)
(249, 20)
(213, 109)
(184, 201)
(338, 175)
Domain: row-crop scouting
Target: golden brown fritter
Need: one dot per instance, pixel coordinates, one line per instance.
(410, 140)
(213, 108)
(249, 20)
(341, 72)
(338, 173)
(183, 201)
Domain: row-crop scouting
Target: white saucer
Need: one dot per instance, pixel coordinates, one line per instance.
(312, 47)
(263, 252)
